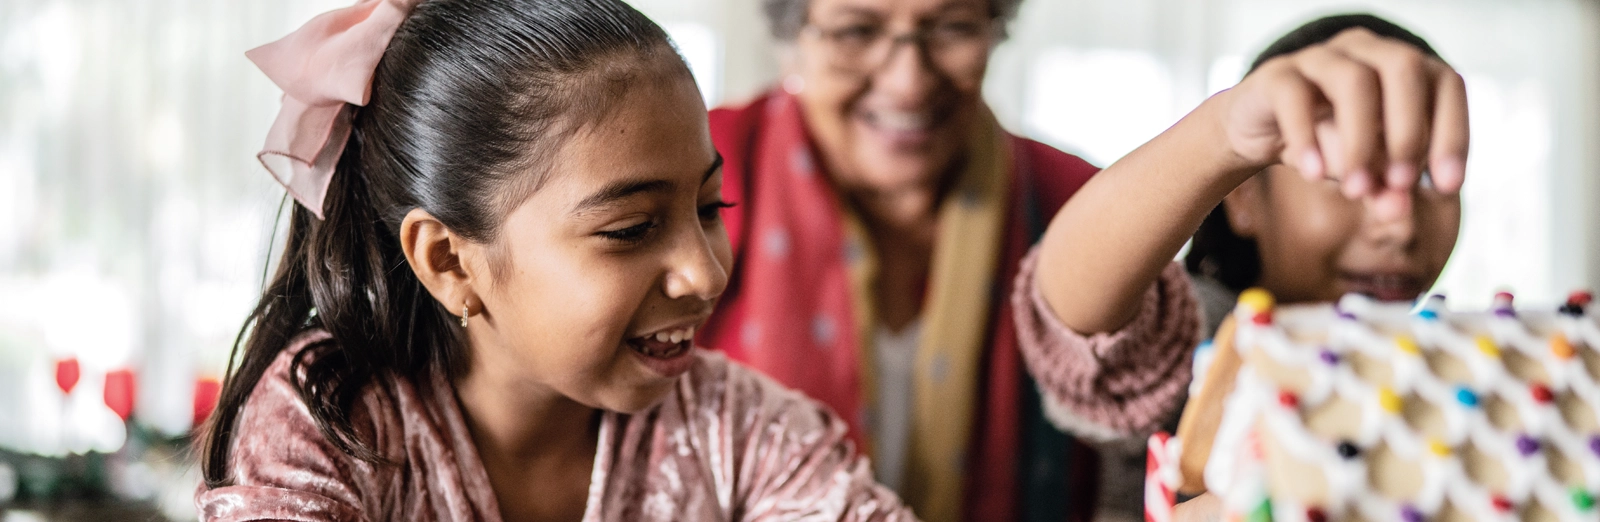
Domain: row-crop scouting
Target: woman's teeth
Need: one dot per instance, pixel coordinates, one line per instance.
(903, 121)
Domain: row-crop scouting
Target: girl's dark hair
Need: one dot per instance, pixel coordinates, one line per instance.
(1217, 252)
(468, 102)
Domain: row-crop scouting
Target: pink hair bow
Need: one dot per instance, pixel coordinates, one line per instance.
(324, 68)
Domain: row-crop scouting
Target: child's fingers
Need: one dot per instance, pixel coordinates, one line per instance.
(1332, 147)
(1353, 89)
(1447, 159)
(1407, 79)
(1294, 104)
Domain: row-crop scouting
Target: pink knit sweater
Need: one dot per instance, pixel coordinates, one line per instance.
(1110, 385)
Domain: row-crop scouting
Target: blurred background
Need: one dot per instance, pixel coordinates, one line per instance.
(135, 223)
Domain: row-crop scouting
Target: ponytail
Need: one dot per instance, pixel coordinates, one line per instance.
(346, 275)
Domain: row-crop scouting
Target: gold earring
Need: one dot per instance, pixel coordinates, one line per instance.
(464, 314)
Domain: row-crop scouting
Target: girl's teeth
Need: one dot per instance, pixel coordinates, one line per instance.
(675, 336)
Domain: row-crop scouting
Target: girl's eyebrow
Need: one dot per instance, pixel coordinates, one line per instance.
(716, 165)
(626, 188)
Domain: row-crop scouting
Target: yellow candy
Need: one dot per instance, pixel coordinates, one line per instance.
(1256, 300)
(1389, 401)
(1438, 448)
(1406, 345)
(1561, 348)
(1487, 346)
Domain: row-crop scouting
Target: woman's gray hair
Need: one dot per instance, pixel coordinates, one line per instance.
(786, 17)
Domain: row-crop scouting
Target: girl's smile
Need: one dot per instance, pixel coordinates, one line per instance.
(1385, 286)
(667, 351)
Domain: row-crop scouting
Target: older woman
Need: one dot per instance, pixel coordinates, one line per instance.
(883, 218)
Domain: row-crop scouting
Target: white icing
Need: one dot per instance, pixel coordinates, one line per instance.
(1236, 472)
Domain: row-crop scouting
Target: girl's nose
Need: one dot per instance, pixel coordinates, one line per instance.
(1390, 227)
(694, 269)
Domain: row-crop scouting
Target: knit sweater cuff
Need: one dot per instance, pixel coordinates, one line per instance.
(1116, 383)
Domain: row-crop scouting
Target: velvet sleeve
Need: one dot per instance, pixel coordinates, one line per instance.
(1111, 385)
(282, 468)
(794, 461)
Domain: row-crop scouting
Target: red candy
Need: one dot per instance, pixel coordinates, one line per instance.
(1316, 515)
(1541, 393)
(1288, 399)
(1262, 318)
(1501, 503)
(1580, 298)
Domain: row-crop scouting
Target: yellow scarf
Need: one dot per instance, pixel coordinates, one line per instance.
(945, 380)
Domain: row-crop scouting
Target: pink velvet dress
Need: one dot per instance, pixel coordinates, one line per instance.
(726, 444)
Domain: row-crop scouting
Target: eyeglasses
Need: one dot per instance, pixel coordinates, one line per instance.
(954, 46)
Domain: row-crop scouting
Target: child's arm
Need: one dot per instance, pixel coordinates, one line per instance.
(1375, 109)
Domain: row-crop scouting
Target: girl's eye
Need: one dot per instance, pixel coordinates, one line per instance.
(713, 211)
(633, 234)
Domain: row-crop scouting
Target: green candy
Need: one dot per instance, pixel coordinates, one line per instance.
(1262, 512)
(1580, 498)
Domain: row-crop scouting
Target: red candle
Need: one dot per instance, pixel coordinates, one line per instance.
(67, 373)
(120, 392)
(206, 391)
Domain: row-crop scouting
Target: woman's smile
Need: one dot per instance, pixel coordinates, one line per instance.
(902, 130)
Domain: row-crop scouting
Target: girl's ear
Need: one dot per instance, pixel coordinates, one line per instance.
(442, 261)
(1246, 207)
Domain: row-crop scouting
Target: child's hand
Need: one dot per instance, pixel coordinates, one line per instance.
(1204, 508)
(1365, 110)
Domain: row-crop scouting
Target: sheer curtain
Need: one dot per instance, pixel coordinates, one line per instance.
(136, 219)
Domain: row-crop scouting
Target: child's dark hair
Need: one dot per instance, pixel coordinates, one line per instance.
(468, 103)
(1217, 252)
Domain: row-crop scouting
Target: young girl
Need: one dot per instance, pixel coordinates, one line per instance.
(1302, 240)
(483, 308)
